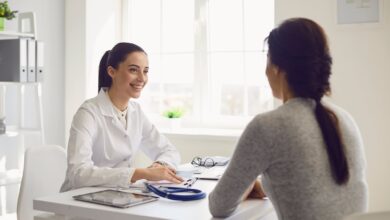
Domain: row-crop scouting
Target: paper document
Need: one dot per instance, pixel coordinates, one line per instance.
(187, 171)
(188, 182)
(214, 173)
(140, 184)
(220, 161)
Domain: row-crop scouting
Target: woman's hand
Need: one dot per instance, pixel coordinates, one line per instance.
(254, 191)
(156, 173)
(160, 164)
(157, 164)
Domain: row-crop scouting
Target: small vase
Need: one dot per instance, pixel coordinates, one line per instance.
(2, 20)
(175, 123)
(3, 128)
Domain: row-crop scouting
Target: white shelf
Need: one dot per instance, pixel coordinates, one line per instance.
(13, 130)
(9, 134)
(10, 34)
(4, 83)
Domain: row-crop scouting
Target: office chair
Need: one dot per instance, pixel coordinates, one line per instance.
(384, 215)
(44, 171)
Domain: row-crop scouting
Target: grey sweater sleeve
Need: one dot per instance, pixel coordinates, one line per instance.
(241, 171)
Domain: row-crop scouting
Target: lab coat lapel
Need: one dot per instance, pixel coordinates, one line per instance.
(130, 110)
(105, 104)
(107, 110)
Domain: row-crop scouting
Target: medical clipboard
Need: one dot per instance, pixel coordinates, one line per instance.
(115, 198)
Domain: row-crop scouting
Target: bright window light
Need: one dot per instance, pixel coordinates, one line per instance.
(205, 56)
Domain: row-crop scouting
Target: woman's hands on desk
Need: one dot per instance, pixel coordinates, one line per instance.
(254, 191)
(156, 172)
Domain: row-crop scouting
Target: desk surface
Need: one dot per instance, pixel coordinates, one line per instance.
(64, 204)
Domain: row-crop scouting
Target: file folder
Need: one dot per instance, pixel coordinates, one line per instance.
(31, 61)
(13, 60)
(39, 55)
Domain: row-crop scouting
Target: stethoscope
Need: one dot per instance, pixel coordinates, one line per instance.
(175, 193)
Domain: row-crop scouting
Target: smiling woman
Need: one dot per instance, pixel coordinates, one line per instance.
(108, 130)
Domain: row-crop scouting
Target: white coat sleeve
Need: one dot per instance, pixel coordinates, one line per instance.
(81, 169)
(156, 146)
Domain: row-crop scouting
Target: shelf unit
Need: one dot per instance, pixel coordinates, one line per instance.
(13, 142)
(14, 34)
(21, 128)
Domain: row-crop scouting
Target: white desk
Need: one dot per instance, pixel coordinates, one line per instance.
(64, 204)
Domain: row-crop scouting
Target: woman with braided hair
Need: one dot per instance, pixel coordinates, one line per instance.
(309, 152)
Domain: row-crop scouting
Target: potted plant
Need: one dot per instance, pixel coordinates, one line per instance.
(5, 13)
(174, 115)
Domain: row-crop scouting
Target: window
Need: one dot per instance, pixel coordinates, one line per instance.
(205, 56)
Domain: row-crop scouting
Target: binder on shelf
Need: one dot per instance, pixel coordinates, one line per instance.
(13, 60)
(31, 61)
(40, 60)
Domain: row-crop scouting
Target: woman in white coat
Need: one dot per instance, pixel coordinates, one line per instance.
(108, 130)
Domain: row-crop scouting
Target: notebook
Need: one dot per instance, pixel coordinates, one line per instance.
(213, 173)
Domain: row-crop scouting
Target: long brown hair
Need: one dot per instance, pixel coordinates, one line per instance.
(299, 47)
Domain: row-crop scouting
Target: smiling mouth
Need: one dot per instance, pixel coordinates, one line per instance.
(138, 87)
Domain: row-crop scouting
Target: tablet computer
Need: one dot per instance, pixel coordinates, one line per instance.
(116, 198)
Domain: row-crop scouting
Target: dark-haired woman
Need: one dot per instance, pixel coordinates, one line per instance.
(108, 130)
(309, 153)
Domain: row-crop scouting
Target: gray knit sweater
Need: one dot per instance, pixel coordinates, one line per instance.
(286, 147)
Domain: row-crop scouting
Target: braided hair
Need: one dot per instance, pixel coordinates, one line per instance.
(299, 47)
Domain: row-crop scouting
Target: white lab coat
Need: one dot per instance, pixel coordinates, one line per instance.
(101, 150)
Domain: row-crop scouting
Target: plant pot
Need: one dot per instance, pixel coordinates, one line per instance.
(174, 123)
(2, 21)
(3, 128)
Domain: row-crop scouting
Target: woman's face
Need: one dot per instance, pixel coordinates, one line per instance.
(131, 75)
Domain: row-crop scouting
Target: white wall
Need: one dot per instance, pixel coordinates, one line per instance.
(92, 27)
(75, 58)
(361, 55)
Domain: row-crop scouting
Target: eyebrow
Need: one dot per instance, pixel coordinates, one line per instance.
(134, 65)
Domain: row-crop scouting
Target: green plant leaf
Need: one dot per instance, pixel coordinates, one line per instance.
(174, 113)
(6, 12)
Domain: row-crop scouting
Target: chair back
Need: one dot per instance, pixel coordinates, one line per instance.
(385, 215)
(43, 173)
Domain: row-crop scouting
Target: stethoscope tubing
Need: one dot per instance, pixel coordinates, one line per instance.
(170, 193)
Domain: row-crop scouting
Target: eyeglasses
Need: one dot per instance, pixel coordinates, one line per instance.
(203, 162)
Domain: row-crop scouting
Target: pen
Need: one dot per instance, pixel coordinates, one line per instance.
(190, 182)
(208, 178)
